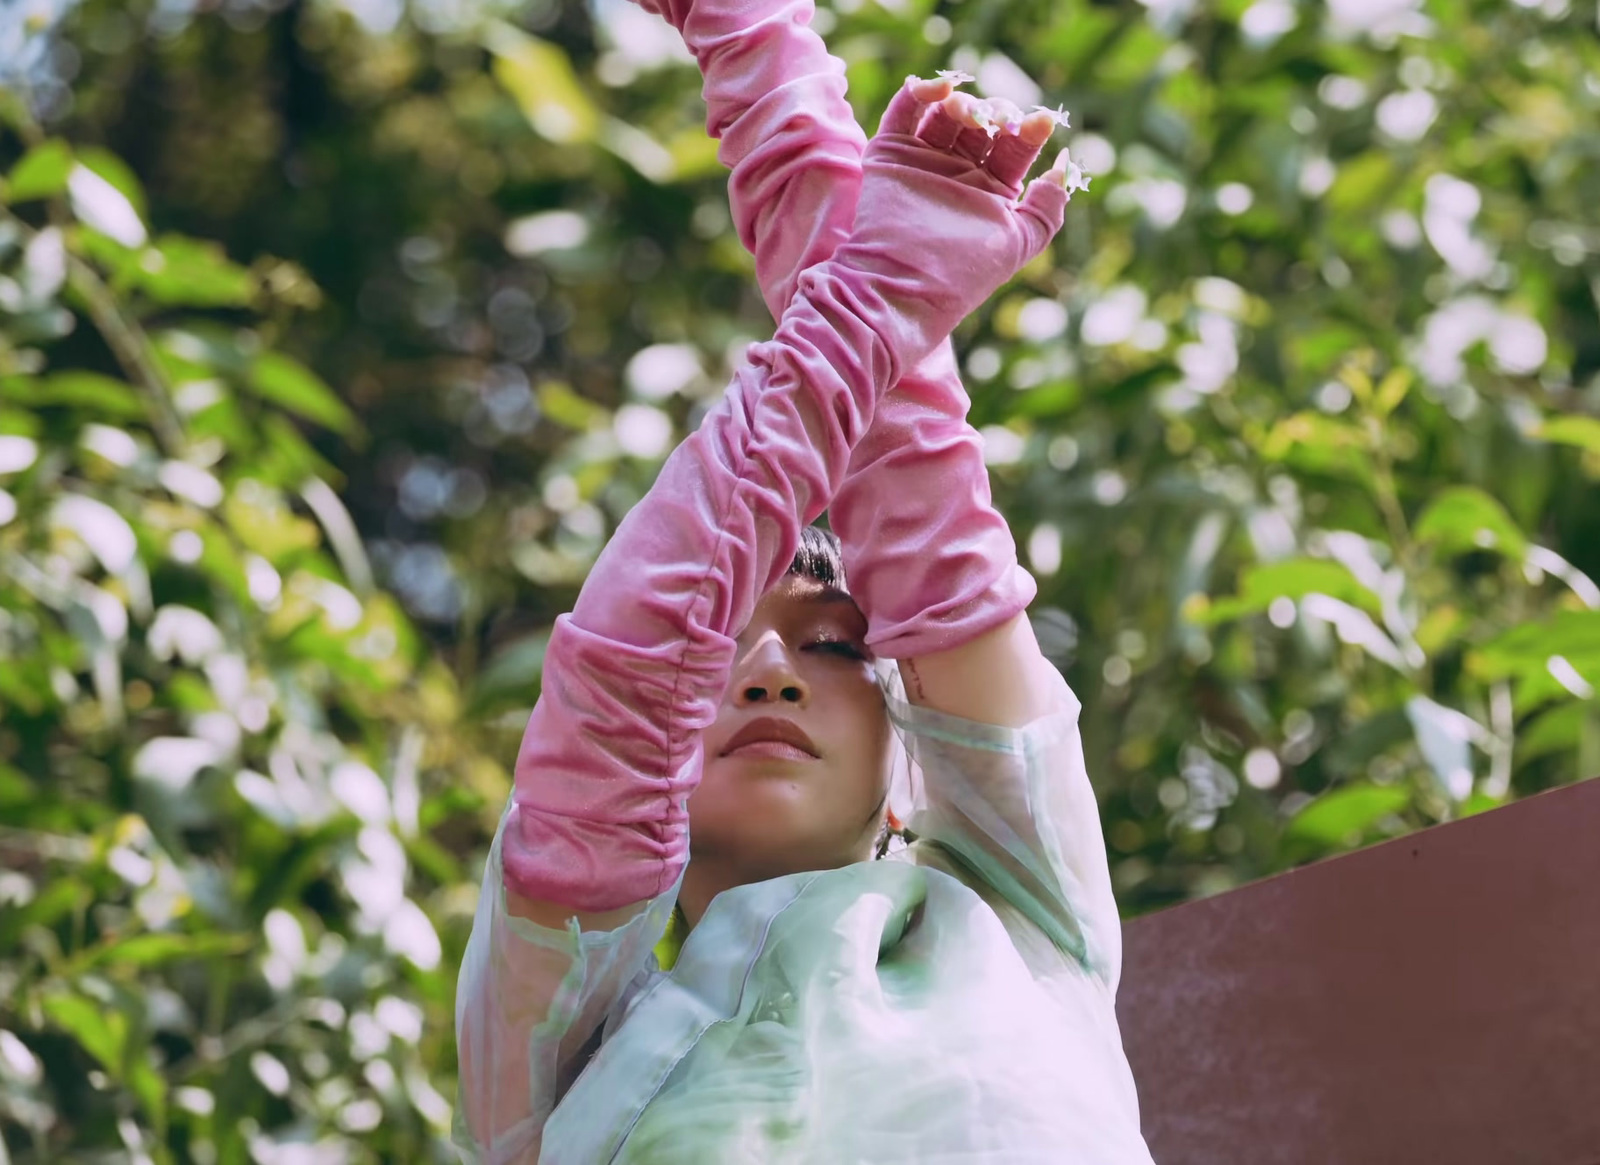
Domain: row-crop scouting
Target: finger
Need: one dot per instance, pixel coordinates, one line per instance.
(909, 103)
(1068, 174)
(1004, 114)
(955, 124)
(1013, 155)
(1041, 211)
(939, 129)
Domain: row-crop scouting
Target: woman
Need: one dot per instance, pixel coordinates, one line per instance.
(954, 1004)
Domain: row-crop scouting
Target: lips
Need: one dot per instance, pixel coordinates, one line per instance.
(770, 730)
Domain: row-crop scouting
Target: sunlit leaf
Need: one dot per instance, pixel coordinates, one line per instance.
(263, 522)
(98, 395)
(1584, 432)
(1444, 737)
(1361, 181)
(1343, 816)
(1321, 445)
(1557, 730)
(566, 407)
(1573, 635)
(178, 270)
(99, 1031)
(102, 207)
(1292, 579)
(1354, 627)
(118, 173)
(539, 76)
(1463, 518)
(287, 382)
(149, 950)
(41, 173)
(694, 155)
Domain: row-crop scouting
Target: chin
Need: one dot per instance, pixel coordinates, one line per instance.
(771, 829)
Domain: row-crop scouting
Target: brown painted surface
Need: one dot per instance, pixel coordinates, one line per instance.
(1432, 999)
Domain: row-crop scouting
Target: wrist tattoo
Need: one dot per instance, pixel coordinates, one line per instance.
(916, 680)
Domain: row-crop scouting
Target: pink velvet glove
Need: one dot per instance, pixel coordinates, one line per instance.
(775, 99)
(635, 674)
(931, 562)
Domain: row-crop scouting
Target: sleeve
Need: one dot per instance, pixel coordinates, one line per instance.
(1011, 812)
(530, 1003)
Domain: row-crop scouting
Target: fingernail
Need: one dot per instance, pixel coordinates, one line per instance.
(1068, 173)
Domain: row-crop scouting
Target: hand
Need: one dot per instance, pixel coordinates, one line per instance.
(940, 227)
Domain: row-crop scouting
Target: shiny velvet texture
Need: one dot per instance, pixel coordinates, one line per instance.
(931, 562)
(636, 672)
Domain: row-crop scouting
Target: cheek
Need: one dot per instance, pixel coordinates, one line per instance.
(859, 732)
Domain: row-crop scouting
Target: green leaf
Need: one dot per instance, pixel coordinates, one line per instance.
(41, 173)
(103, 1032)
(540, 77)
(1558, 730)
(1529, 647)
(117, 172)
(1445, 737)
(1344, 816)
(1463, 518)
(100, 1031)
(101, 207)
(513, 674)
(1048, 400)
(59, 898)
(260, 519)
(1361, 181)
(1391, 391)
(149, 950)
(565, 407)
(288, 458)
(1320, 445)
(1293, 579)
(288, 383)
(102, 397)
(200, 349)
(192, 273)
(694, 155)
(1319, 350)
(16, 790)
(1584, 432)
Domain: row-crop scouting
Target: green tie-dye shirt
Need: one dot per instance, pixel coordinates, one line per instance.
(952, 1003)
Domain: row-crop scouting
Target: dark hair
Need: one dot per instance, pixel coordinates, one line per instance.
(819, 557)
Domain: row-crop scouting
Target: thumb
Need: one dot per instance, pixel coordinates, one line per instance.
(906, 109)
(1041, 211)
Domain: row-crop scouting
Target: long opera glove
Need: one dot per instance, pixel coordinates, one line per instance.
(634, 675)
(930, 560)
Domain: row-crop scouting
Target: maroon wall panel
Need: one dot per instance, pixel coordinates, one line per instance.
(1432, 999)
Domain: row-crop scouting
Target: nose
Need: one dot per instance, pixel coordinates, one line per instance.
(766, 674)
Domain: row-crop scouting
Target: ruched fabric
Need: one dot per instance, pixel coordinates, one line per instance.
(952, 1003)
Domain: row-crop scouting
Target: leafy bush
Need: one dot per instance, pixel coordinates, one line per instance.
(1297, 426)
(218, 913)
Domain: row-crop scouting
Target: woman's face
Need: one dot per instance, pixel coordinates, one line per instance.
(796, 769)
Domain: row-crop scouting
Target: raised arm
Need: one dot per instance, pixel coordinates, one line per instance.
(775, 100)
(940, 584)
(635, 673)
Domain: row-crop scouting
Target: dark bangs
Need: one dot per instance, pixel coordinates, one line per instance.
(819, 557)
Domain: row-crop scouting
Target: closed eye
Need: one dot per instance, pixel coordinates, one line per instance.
(840, 647)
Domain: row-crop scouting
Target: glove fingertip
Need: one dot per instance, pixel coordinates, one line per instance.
(1045, 204)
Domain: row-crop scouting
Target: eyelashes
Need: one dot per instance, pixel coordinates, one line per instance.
(842, 648)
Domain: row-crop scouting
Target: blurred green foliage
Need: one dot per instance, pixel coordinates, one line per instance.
(336, 335)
